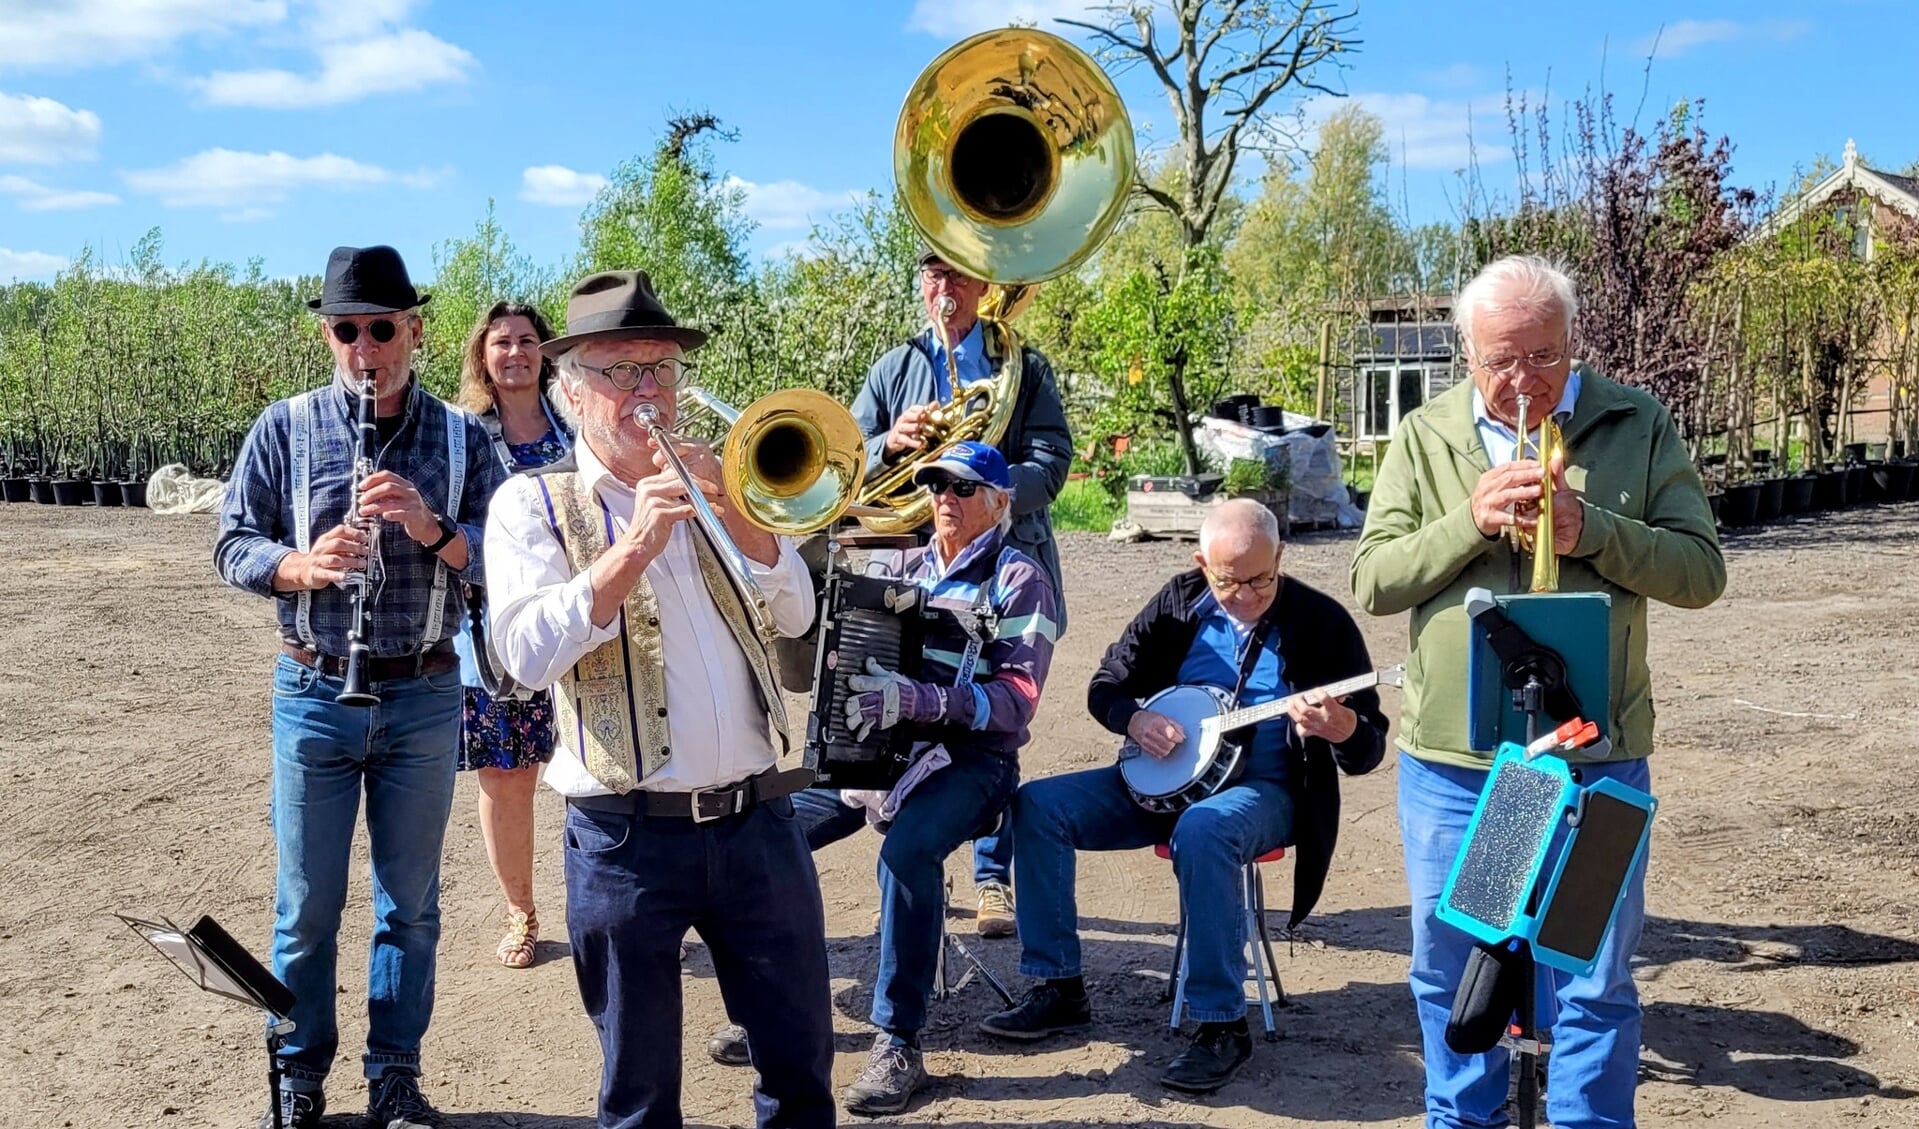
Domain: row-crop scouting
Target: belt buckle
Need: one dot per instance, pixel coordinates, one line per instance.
(699, 811)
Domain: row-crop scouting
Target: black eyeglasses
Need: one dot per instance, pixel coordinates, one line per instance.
(346, 332)
(1226, 585)
(627, 375)
(961, 487)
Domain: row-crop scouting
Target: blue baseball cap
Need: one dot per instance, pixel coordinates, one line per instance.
(974, 462)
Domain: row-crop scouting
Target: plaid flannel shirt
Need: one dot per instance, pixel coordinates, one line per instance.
(257, 518)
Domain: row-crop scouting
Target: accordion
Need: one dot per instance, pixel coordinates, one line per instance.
(862, 617)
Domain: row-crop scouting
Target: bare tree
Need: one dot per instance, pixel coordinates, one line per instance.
(1232, 71)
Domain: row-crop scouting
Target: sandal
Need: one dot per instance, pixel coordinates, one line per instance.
(522, 937)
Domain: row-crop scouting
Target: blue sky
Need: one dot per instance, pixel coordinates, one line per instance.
(280, 128)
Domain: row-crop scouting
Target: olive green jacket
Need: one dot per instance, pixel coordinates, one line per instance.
(1648, 534)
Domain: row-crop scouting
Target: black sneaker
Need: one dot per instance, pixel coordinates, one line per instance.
(299, 1109)
(892, 1073)
(728, 1046)
(394, 1101)
(1218, 1051)
(1046, 1010)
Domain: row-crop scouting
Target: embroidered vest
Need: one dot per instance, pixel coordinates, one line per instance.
(612, 704)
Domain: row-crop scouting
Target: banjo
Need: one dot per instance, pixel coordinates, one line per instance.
(1207, 759)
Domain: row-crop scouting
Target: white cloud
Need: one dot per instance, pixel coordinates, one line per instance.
(245, 182)
(21, 266)
(559, 186)
(964, 17)
(35, 197)
(92, 32)
(40, 131)
(1427, 133)
(405, 60)
(1678, 38)
(784, 205)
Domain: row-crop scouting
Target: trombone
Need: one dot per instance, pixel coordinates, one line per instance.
(791, 464)
(1545, 576)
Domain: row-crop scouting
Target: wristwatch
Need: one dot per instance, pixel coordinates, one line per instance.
(448, 531)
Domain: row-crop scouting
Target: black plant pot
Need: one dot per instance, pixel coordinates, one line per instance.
(107, 494)
(1898, 448)
(1799, 491)
(41, 489)
(1772, 499)
(133, 492)
(1741, 507)
(1830, 493)
(1858, 485)
(71, 492)
(1761, 459)
(16, 489)
(1895, 481)
(1716, 502)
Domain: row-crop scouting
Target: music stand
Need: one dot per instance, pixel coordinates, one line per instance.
(217, 963)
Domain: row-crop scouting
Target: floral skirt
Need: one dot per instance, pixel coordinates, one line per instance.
(507, 733)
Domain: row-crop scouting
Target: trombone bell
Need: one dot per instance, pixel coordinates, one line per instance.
(793, 461)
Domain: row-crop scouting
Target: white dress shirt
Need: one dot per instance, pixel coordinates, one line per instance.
(542, 618)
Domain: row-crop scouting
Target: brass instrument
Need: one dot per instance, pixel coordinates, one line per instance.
(1014, 156)
(791, 464)
(1545, 562)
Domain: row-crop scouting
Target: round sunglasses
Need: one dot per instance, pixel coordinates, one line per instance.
(346, 332)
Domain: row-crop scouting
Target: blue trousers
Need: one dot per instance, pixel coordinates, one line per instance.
(400, 753)
(1212, 841)
(993, 853)
(1594, 1018)
(943, 811)
(634, 886)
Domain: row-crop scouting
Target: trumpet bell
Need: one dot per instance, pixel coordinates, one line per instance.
(1013, 155)
(793, 461)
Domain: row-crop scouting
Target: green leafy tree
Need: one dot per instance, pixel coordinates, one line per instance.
(470, 274)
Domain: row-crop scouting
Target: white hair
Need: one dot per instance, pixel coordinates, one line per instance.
(1005, 519)
(1237, 524)
(1514, 282)
(567, 372)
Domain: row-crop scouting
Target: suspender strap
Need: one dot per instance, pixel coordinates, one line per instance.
(299, 455)
(455, 481)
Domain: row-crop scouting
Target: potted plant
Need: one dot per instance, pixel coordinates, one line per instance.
(1268, 483)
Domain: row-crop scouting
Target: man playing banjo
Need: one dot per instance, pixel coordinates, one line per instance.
(1234, 623)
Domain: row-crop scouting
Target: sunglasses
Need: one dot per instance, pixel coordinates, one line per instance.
(346, 332)
(961, 487)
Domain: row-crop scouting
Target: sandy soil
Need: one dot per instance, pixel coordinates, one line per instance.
(1778, 969)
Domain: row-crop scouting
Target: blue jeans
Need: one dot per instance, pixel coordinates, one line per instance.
(634, 885)
(324, 754)
(1212, 842)
(1595, 1018)
(993, 854)
(943, 811)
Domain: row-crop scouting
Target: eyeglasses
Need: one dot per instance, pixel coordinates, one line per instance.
(1538, 360)
(346, 332)
(1226, 586)
(936, 275)
(961, 487)
(627, 375)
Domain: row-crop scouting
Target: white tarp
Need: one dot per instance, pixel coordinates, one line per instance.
(1319, 495)
(174, 490)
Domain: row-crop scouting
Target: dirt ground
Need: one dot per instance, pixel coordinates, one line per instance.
(1779, 966)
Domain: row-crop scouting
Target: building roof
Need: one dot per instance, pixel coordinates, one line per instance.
(1901, 193)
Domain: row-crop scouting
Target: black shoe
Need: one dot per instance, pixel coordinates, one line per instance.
(728, 1046)
(1046, 1010)
(299, 1109)
(892, 1073)
(394, 1101)
(1216, 1054)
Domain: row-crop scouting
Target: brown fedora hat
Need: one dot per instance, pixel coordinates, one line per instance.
(618, 303)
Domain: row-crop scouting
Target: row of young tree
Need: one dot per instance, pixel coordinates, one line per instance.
(1213, 285)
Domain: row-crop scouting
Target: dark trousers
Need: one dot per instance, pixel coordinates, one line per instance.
(746, 885)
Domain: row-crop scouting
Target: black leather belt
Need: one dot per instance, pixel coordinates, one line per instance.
(702, 805)
(439, 659)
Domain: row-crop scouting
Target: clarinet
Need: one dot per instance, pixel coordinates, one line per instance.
(360, 583)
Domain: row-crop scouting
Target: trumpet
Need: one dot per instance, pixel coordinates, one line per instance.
(1539, 543)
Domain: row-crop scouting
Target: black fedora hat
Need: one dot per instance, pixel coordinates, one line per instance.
(618, 303)
(366, 280)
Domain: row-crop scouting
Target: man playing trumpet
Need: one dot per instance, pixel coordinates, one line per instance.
(292, 529)
(668, 716)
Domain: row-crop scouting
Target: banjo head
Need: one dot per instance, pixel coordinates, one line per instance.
(1149, 777)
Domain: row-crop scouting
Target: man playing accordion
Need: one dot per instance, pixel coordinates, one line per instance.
(1235, 621)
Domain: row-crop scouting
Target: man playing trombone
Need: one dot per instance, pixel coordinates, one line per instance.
(668, 714)
(299, 520)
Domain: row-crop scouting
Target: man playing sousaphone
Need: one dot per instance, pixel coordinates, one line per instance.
(668, 717)
(1235, 621)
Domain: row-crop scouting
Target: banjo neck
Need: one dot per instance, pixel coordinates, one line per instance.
(1267, 711)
